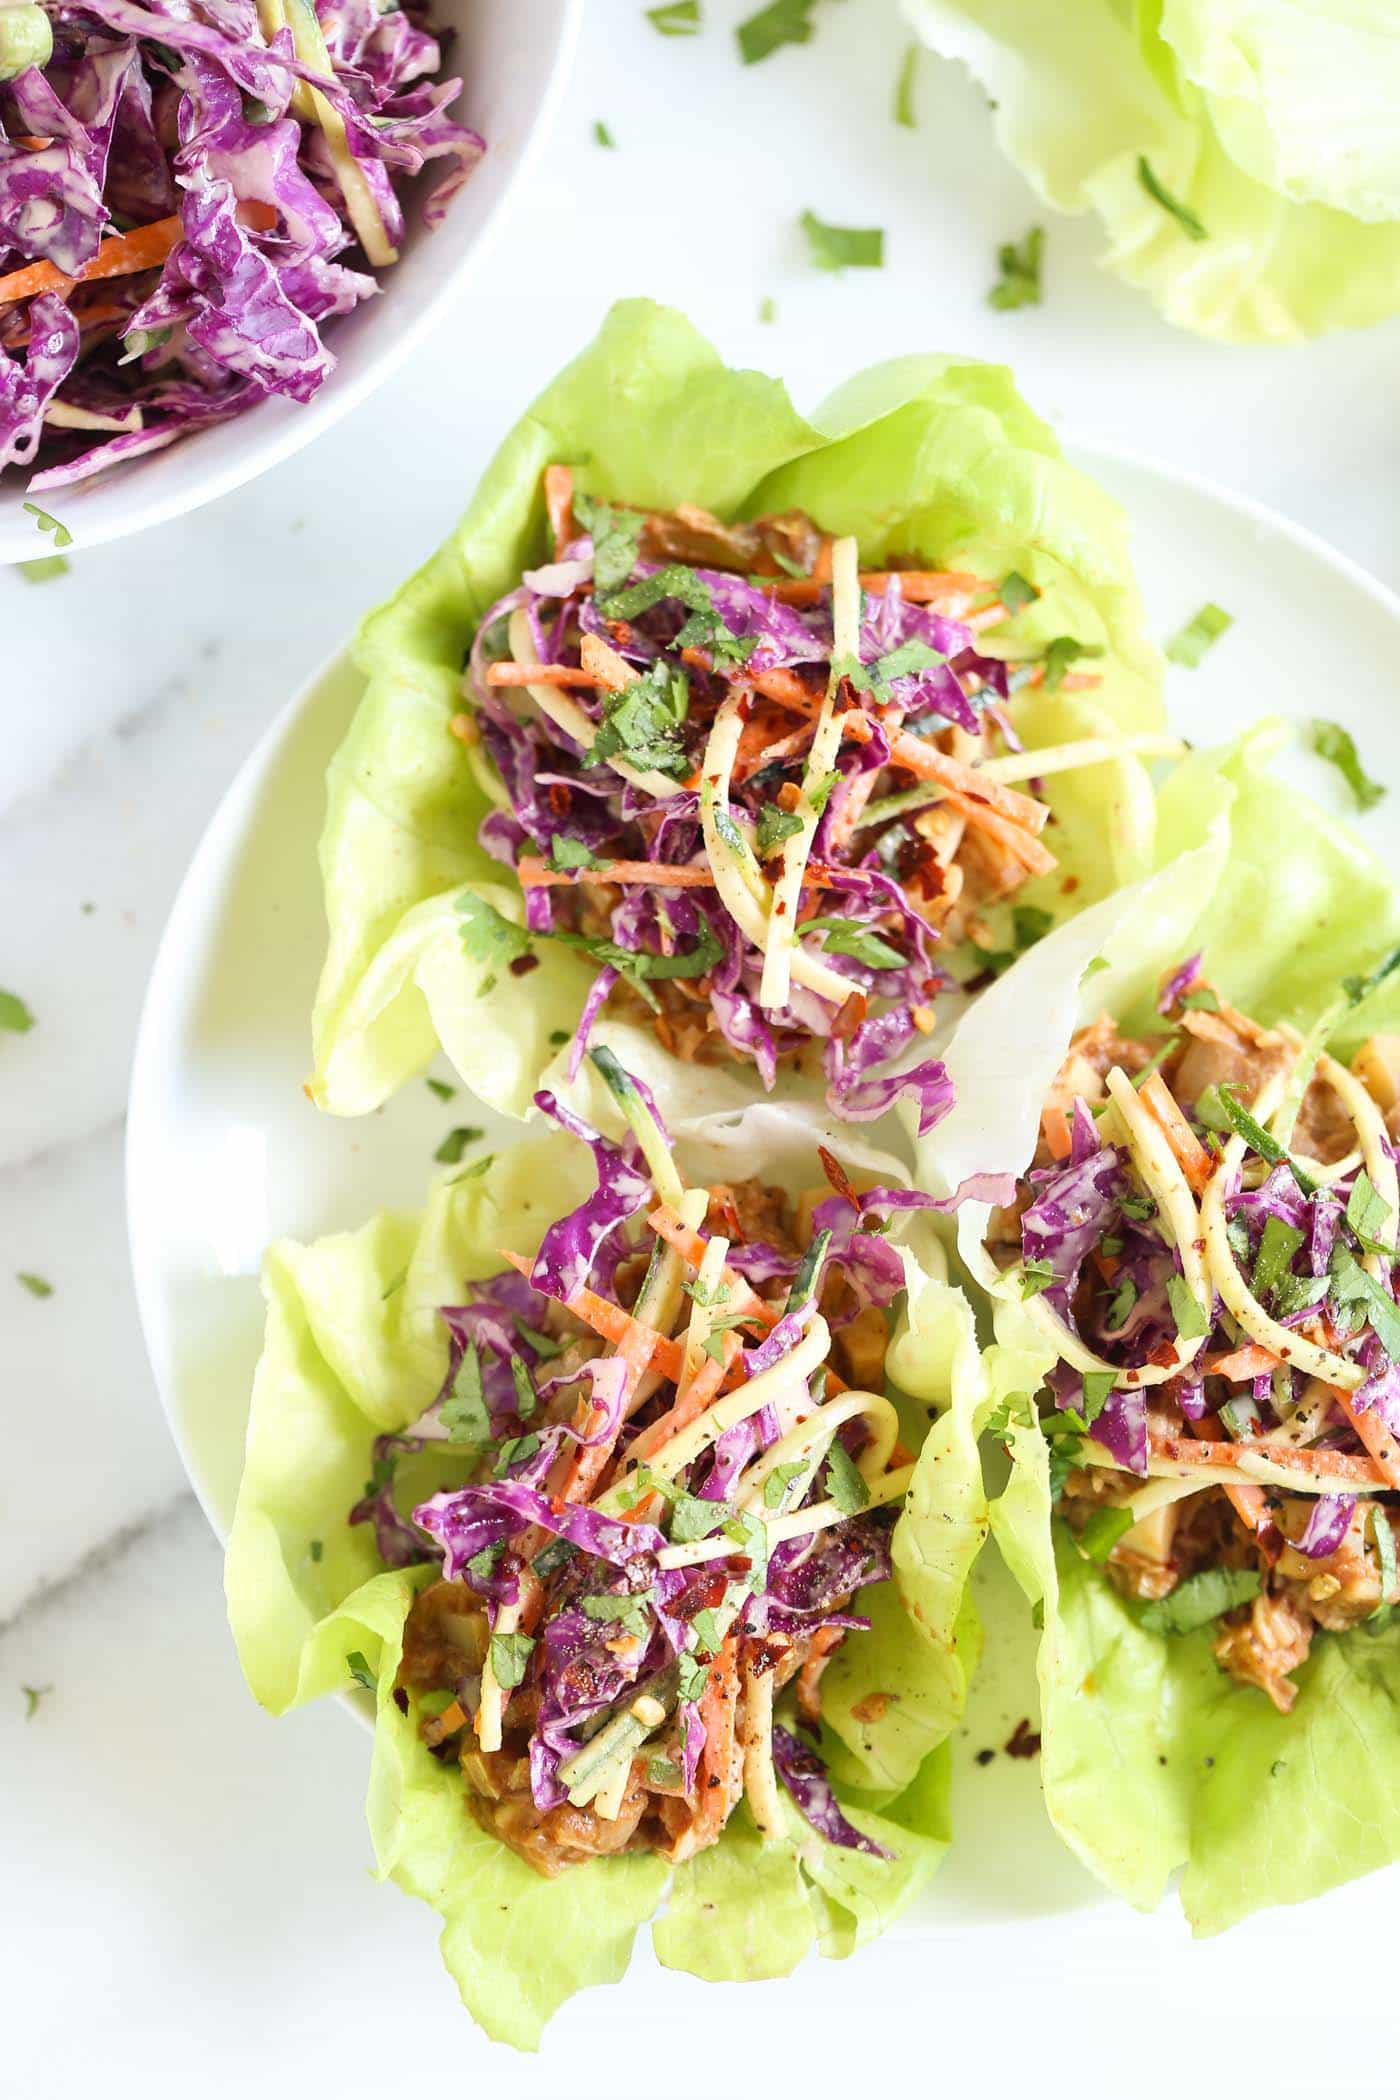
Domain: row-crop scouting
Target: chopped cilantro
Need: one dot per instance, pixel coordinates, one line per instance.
(781, 22)
(674, 580)
(750, 1535)
(615, 534)
(551, 1558)
(33, 1693)
(843, 247)
(45, 568)
(631, 1611)
(316, 1549)
(1200, 1599)
(464, 1413)
(360, 1670)
(1189, 645)
(767, 311)
(514, 1452)
(640, 722)
(1014, 1412)
(1016, 594)
(679, 18)
(860, 942)
(820, 795)
(1278, 1243)
(567, 854)
(510, 1658)
(1201, 1001)
(482, 1566)
(441, 1088)
(14, 1014)
(526, 1398)
(1366, 1213)
(558, 1037)
(775, 1487)
(1358, 1299)
(909, 657)
(1097, 1387)
(1187, 1309)
(487, 937)
(775, 825)
(1063, 652)
(663, 1772)
(904, 112)
(37, 1286)
(449, 1152)
(1019, 263)
(46, 522)
(844, 1482)
(1030, 923)
(1338, 746)
(691, 1676)
(601, 134)
(692, 1517)
(1103, 1530)
(709, 1631)
(1121, 1304)
(1185, 218)
(1036, 1276)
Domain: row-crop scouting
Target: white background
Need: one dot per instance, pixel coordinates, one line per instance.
(185, 1902)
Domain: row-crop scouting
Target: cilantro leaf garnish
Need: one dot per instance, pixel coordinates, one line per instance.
(844, 1482)
(863, 945)
(675, 580)
(1185, 218)
(1189, 645)
(1357, 1298)
(1187, 1310)
(1063, 652)
(464, 1414)
(449, 1152)
(1019, 264)
(1016, 594)
(514, 1452)
(775, 825)
(1121, 1305)
(781, 22)
(775, 1487)
(46, 522)
(360, 1670)
(510, 1658)
(1103, 1530)
(1036, 1276)
(616, 535)
(663, 1772)
(629, 1610)
(640, 722)
(709, 1631)
(14, 1014)
(526, 1398)
(441, 1088)
(601, 134)
(567, 854)
(904, 112)
(483, 1565)
(487, 937)
(1200, 1599)
(1366, 1213)
(679, 18)
(1338, 746)
(691, 1677)
(1097, 1387)
(37, 1286)
(692, 1517)
(843, 247)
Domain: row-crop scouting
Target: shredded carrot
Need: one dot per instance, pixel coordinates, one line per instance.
(1374, 1434)
(1337, 1465)
(690, 1401)
(588, 1462)
(718, 1702)
(1020, 847)
(1250, 1504)
(1191, 1155)
(916, 586)
(691, 1245)
(1054, 1124)
(927, 762)
(512, 673)
(613, 1323)
(559, 505)
(144, 248)
(535, 874)
(1240, 1365)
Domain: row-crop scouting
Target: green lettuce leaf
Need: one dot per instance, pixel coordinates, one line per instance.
(1153, 1759)
(1270, 124)
(354, 1347)
(928, 455)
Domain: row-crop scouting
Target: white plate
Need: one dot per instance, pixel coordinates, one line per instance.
(224, 1152)
(513, 57)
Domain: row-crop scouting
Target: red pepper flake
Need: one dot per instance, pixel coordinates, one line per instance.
(1025, 1741)
(522, 965)
(838, 1177)
(1069, 885)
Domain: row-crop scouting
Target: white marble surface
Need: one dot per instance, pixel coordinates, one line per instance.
(185, 1901)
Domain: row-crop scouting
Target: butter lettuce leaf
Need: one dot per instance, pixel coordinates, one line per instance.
(1270, 123)
(354, 1347)
(928, 455)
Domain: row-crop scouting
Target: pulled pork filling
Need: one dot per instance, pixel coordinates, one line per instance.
(1208, 1234)
(680, 1470)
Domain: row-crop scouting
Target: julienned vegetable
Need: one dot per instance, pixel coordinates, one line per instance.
(1181, 1270)
(627, 1532)
(1239, 152)
(186, 196)
(739, 833)
(1217, 1208)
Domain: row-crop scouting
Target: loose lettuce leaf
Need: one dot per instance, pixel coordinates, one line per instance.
(1271, 123)
(354, 1347)
(1152, 1759)
(928, 456)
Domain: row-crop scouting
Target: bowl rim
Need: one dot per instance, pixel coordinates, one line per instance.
(289, 435)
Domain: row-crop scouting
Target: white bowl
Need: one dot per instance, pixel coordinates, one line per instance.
(513, 57)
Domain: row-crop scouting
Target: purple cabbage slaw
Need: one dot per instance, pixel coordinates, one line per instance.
(613, 1621)
(693, 635)
(1091, 1241)
(151, 112)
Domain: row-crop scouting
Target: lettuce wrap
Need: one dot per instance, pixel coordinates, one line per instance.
(925, 458)
(356, 1350)
(1240, 153)
(1153, 1758)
